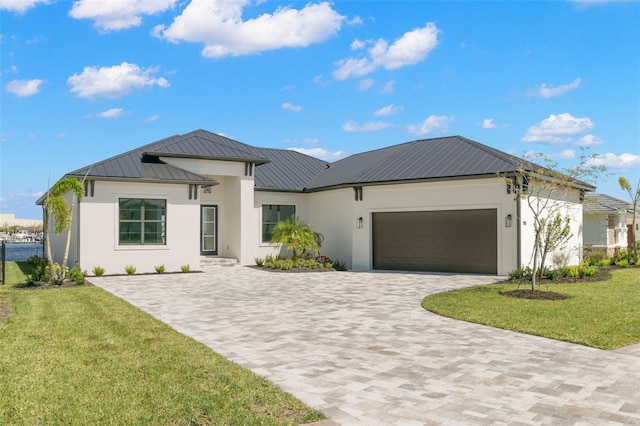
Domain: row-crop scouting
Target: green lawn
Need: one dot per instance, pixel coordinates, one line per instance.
(82, 356)
(603, 314)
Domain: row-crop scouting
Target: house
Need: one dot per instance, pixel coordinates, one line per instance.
(427, 205)
(605, 223)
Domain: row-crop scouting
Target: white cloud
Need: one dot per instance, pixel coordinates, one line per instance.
(411, 48)
(290, 107)
(151, 119)
(432, 123)
(113, 82)
(366, 84)
(567, 154)
(558, 128)
(623, 161)
(24, 88)
(112, 113)
(546, 91)
(20, 6)
(219, 26)
(389, 86)
(117, 15)
(488, 123)
(358, 44)
(388, 110)
(589, 140)
(320, 153)
(351, 126)
(320, 81)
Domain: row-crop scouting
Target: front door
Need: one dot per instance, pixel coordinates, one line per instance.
(208, 230)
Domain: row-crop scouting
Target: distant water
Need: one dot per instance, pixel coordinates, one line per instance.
(22, 251)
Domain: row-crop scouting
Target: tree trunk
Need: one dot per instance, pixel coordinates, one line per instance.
(47, 245)
(68, 242)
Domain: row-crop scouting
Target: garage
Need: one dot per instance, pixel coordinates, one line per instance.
(438, 241)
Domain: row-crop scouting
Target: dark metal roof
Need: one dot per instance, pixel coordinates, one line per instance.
(285, 170)
(447, 157)
(601, 203)
(276, 169)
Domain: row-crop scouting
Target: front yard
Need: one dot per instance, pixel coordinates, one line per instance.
(603, 314)
(82, 356)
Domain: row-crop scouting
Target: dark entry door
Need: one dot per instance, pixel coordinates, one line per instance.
(208, 230)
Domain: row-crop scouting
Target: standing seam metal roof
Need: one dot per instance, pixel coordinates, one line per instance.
(287, 170)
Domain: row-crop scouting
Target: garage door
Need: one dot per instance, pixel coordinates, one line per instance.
(438, 241)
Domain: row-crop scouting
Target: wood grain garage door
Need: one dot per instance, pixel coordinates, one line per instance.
(438, 241)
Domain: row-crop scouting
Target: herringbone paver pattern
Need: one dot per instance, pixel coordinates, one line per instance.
(359, 347)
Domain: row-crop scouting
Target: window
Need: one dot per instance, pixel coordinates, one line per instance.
(271, 215)
(142, 221)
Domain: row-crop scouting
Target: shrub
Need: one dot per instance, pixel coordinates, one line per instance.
(571, 271)
(604, 263)
(560, 258)
(185, 268)
(623, 263)
(77, 275)
(339, 265)
(98, 271)
(130, 269)
(551, 274)
(593, 256)
(587, 270)
(521, 272)
(40, 271)
(259, 261)
(160, 269)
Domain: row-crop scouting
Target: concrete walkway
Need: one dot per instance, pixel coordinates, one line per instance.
(359, 347)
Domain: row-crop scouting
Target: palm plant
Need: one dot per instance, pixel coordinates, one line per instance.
(296, 235)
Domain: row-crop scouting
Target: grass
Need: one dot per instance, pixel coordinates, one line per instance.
(79, 355)
(604, 314)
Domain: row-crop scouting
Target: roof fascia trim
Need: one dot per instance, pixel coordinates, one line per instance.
(257, 161)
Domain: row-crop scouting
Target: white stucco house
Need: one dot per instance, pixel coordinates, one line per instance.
(428, 205)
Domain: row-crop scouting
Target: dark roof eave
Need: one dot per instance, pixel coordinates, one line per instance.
(205, 182)
(257, 161)
(399, 181)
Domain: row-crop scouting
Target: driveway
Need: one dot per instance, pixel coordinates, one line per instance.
(360, 348)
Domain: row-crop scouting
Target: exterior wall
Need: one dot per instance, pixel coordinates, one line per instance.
(337, 212)
(331, 213)
(98, 227)
(605, 231)
(566, 204)
(595, 229)
(254, 220)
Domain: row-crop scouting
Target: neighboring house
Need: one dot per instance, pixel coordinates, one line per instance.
(605, 222)
(428, 205)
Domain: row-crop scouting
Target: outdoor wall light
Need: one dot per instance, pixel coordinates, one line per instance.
(359, 223)
(507, 221)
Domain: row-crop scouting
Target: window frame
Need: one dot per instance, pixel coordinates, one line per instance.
(142, 221)
(272, 223)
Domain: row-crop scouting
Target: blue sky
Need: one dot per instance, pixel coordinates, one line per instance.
(85, 80)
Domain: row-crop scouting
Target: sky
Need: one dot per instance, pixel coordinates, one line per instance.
(81, 81)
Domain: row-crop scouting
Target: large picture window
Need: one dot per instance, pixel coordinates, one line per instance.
(142, 221)
(271, 215)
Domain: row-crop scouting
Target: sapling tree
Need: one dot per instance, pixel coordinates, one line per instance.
(548, 195)
(635, 199)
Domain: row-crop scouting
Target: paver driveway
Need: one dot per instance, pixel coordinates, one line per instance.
(359, 347)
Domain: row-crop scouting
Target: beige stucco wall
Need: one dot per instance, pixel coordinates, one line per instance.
(336, 213)
(99, 229)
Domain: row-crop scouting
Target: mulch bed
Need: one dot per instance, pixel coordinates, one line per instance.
(48, 286)
(294, 270)
(535, 295)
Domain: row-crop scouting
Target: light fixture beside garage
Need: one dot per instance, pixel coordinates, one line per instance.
(359, 223)
(507, 221)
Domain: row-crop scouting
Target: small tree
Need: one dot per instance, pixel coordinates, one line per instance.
(545, 190)
(61, 213)
(296, 235)
(635, 199)
(555, 233)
